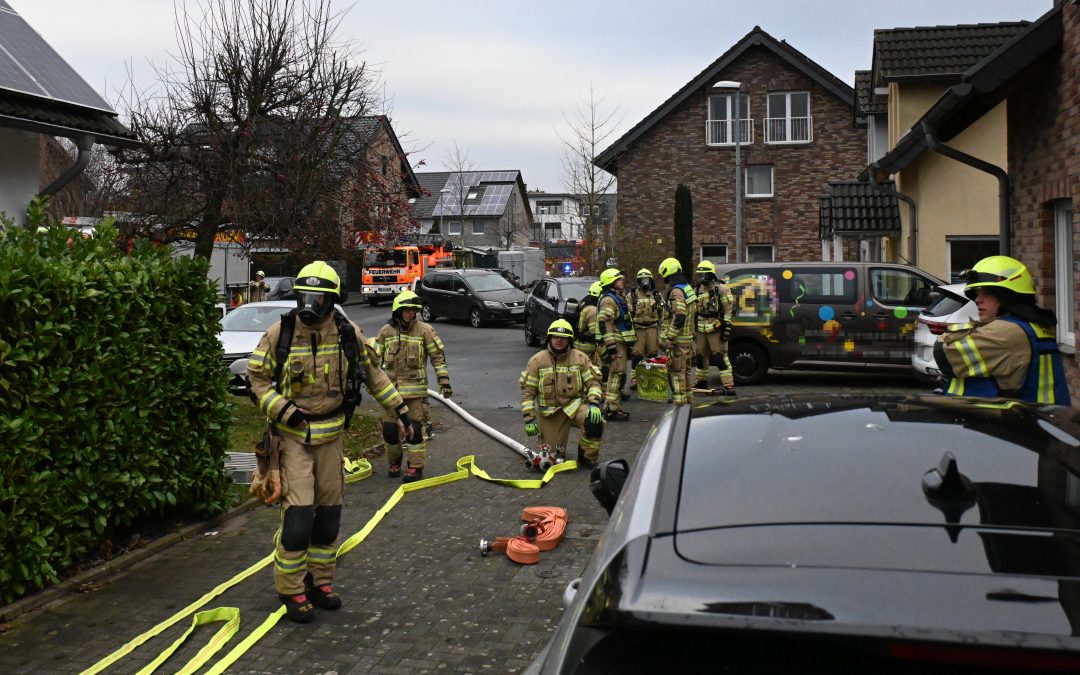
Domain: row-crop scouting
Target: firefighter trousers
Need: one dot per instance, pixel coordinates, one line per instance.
(313, 479)
(712, 351)
(681, 371)
(416, 454)
(616, 372)
(555, 431)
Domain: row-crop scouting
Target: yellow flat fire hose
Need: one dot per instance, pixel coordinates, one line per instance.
(356, 471)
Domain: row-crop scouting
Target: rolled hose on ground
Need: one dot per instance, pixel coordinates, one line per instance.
(493, 433)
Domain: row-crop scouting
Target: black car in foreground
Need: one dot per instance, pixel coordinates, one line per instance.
(479, 295)
(836, 534)
(553, 298)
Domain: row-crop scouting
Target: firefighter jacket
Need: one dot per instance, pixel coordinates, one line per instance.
(552, 382)
(404, 356)
(1006, 356)
(679, 324)
(714, 304)
(585, 337)
(613, 319)
(313, 378)
(257, 291)
(646, 307)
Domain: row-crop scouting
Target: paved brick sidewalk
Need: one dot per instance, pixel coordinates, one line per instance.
(418, 595)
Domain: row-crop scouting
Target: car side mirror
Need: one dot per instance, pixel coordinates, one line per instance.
(568, 306)
(606, 482)
(462, 291)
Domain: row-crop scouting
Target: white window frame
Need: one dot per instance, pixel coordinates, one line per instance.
(788, 124)
(451, 226)
(481, 226)
(772, 252)
(713, 126)
(714, 258)
(1064, 286)
(772, 182)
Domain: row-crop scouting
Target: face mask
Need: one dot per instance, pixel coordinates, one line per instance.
(313, 307)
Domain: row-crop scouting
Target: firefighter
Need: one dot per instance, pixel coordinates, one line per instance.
(677, 332)
(405, 345)
(646, 310)
(258, 288)
(1012, 349)
(560, 388)
(712, 328)
(305, 376)
(585, 339)
(616, 339)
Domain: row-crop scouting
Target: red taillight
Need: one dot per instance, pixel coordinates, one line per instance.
(936, 327)
(1018, 659)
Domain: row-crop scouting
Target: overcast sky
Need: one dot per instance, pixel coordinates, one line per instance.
(500, 77)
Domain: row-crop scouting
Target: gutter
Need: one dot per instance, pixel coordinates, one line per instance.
(913, 245)
(85, 143)
(1004, 229)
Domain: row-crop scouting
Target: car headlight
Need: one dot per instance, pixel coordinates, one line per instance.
(492, 303)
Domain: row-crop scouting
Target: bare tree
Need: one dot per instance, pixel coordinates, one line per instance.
(460, 165)
(257, 127)
(591, 129)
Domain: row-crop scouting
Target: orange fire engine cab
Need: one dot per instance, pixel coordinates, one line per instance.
(388, 271)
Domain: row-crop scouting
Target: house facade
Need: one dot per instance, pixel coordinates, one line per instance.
(952, 215)
(794, 124)
(481, 209)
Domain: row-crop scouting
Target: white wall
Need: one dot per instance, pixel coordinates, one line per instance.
(18, 172)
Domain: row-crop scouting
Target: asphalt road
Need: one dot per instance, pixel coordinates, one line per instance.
(485, 364)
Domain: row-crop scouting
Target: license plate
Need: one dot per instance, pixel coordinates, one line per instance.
(385, 291)
(517, 310)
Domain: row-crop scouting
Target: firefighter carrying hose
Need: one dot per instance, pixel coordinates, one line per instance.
(560, 388)
(405, 345)
(306, 377)
(617, 333)
(712, 328)
(677, 334)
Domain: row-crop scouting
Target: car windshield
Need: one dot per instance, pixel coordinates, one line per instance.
(252, 318)
(384, 258)
(490, 282)
(575, 289)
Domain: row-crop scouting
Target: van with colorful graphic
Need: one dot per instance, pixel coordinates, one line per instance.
(824, 315)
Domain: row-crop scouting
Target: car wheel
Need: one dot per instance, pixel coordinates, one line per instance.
(426, 314)
(474, 317)
(749, 362)
(530, 337)
(373, 301)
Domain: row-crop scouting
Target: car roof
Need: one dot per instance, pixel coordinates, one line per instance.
(573, 280)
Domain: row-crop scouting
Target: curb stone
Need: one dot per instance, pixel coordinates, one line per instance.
(111, 568)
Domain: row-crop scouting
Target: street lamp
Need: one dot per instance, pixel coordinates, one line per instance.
(442, 208)
(737, 86)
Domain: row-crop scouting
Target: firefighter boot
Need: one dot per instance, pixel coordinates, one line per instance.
(584, 462)
(395, 469)
(412, 475)
(323, 597)
(298, 608)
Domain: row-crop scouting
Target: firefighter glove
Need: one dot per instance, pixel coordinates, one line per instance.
(531, 428)
(406, 426)
(725, 330)
(609, 352)
(595, 415)
(297, 419)
(445, 389)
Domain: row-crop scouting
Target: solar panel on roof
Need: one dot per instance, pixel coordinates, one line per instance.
(30, 66)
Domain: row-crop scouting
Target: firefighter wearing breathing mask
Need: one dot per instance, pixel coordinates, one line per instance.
(405, 346)
(305, 376)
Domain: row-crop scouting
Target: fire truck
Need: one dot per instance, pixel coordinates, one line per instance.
(389, 270)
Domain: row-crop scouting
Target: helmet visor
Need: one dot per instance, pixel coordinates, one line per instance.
(313, 307)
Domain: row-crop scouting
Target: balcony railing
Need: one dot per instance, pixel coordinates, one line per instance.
(722, 132)
(789, 129)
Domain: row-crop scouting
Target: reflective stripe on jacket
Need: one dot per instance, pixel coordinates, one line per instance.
(613, 317)
(681, 301)
(551, 382)
(404, 356)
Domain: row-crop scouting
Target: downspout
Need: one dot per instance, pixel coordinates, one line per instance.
(85, 144)
(1004, 231)
(913, 212)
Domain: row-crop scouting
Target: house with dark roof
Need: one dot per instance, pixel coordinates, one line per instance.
(483, 209)
(950, 217)
(41, 94)
(795, 129)
(1034, 77)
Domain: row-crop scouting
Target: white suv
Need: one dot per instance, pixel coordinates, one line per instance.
(951, 308)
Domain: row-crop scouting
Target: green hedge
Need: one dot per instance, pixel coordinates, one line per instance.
(113, 397)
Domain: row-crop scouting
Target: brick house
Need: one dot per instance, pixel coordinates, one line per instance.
(1035, 76)
(795, 120)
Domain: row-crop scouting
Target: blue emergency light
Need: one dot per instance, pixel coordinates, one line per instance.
(566, 267)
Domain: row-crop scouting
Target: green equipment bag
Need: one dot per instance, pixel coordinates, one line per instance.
(652, 382)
